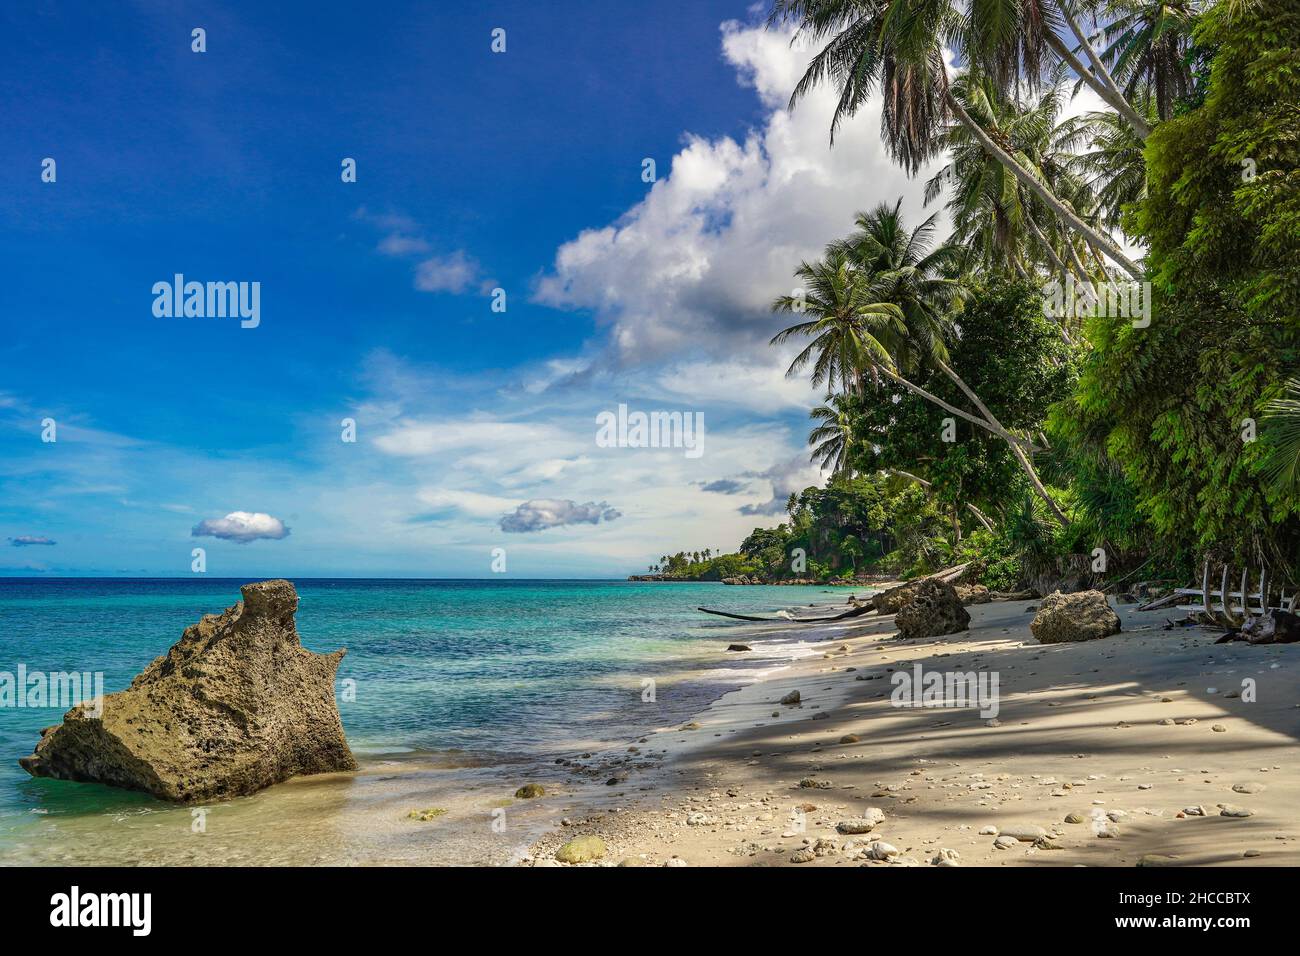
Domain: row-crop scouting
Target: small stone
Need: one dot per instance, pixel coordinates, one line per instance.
(791, 698)
(1006, 842)
(946, 857)
(808, 783)
(1232, 810)
(581, 849)
(1047, 843)
(424, 816)
(1157, 859)
(988, 831)
(1219, 728)
(849, 739)
(880, 850)
(1074, 818)
(739, 647)
(1251, 854)
(693, 725)
(530, 791)
(806, 855)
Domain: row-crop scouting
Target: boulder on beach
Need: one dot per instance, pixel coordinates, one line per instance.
(890, 600)
(236, 705)
(1081, 616)
(973, 594)
(933, 610)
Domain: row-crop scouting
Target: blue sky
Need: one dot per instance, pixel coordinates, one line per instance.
(475, 170)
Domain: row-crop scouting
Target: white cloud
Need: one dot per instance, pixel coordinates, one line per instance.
(455, 273)
(242, 527)
(542, 513)
(692, 269)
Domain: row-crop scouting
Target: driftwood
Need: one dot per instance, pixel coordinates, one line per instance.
(1029, 594)
(853, 612)
(1160, 602)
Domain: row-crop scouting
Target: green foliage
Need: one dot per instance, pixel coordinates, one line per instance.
(1168, 403)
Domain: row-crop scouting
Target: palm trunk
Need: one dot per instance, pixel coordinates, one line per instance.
(988, 426)
(1099, 77)
(1026, 465)
(980, 516)
(1056, 261)
(1039, 189)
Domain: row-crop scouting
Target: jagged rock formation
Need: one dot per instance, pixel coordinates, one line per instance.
(973, 594)
(236, 705)
(1082, 616)
(933, 609)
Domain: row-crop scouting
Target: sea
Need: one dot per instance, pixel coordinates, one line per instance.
(451, 692)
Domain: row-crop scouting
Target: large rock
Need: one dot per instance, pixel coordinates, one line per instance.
(236, 705)
(1082, 616)
(933, 610)
(890, 600)
(973, 594)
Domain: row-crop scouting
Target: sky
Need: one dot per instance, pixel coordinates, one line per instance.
(499, 274)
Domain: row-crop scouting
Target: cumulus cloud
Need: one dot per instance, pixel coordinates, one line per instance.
(696, 264)
(242, 527)
(28, 540)
(455, 273)
(542, 513)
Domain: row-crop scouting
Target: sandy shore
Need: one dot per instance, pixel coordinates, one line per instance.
(1144, 737)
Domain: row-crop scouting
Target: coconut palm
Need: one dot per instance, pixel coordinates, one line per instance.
(1109, 158)
(834, 442)
(1147, 44)
(896, 47)
(851, 332)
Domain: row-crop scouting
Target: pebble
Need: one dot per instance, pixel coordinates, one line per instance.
(806, 855)
(1247, 788)
(1232, 810)
(880, 850)
(1074, 818)
(1006, 842)
(791, 698)
(946, 857)
(1025, 832)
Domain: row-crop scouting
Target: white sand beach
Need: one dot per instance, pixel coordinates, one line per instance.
(1146, 737)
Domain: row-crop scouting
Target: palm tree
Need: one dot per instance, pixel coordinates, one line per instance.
(1281, 425)
(850, 331)
(834, 441)
(897, 46)
(1147, 46)
(1111, 163)
(995, 218)
(854, 334)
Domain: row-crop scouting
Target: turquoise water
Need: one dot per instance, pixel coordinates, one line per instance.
(487, 672)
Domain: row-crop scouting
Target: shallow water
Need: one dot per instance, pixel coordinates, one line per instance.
(462, 689)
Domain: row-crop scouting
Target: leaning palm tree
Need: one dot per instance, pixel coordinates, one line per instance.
(1147, 45)
(1107, 155)
(896, 47)
(856, 334)
(834, 441)
(850, 331)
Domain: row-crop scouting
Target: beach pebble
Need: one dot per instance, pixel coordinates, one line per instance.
(581, 849)
(791, 698)
(1232, 810)
(1047, 843)
(1006, 842)
(1247, 787)
(856, 825)
(1074, 818)
(1251, 854)
(849, 739)
(1219, 728)
(880, 850)
(808, 783)
(806, 855)
(739, 647)
(946, 857)
(988, 831)
(530, 791)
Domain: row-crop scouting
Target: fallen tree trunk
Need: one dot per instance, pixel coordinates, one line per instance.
(853, 612)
